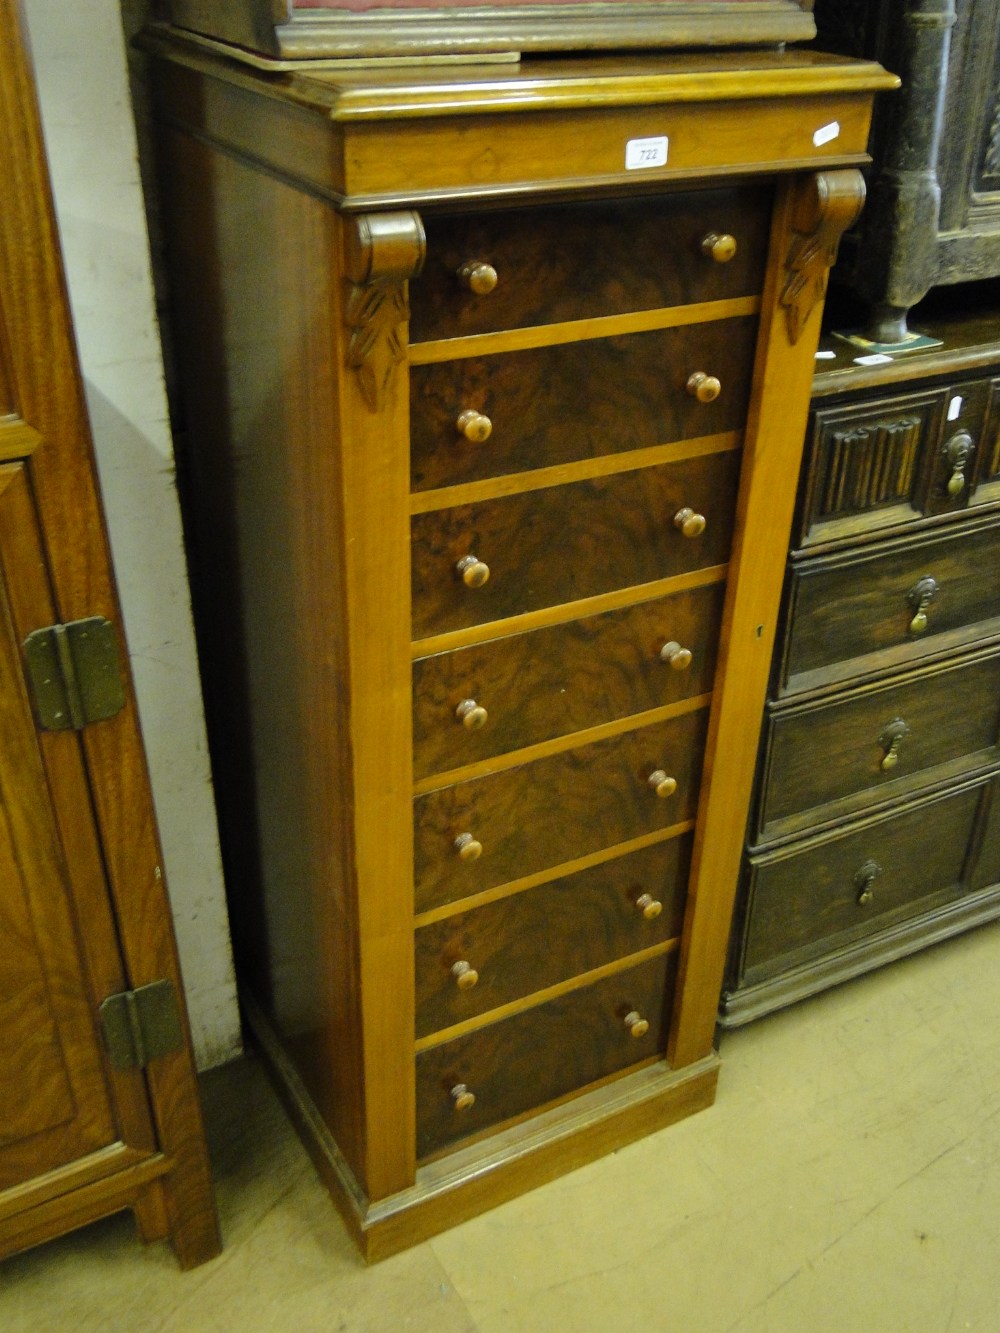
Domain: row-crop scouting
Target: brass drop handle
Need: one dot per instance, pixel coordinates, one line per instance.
(636, 1025)
(719, 246)
(467, 847)
(689, 523)
(676, 657)
(648, 906)
(890, 740)
(958, 454)
(662, 783)
(471, 715)
(461, 1098)
(465, 975)
(473, 571)
(864, 879)
(478, 276)
(475, 426)
(706, 388)
(920, 597)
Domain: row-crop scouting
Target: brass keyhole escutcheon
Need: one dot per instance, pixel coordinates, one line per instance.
(920, 596)
(891, 738)
(864, 882)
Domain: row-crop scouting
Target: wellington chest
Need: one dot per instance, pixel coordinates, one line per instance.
(495, 384)
(873, 828)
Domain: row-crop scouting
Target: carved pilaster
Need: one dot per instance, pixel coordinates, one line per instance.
(382, 252)
(826, 209)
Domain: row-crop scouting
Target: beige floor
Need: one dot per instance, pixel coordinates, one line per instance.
(847, 1179)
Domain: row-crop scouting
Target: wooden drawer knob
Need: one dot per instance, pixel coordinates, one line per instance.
(864, 882)
(662, 783)
(890, 740)
(462, 1099)
(473, 571)
(465, 975)
(706, 388)
(471, 715)
(689, 523)
(478, 276)
(676, 657)
(475, 426)
(920, 597)
(719, 246)
(637, 1025)
(467, 847)
(648, 906)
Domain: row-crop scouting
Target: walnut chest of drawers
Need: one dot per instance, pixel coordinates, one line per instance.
(875, 827)
(495, 383)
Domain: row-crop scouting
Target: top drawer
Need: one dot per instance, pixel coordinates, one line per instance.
(890, 461)
(583, 261)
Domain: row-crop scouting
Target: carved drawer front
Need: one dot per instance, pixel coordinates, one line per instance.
(833, 891)
(986, 868)
(575, 400)
(472, 962)
(581, 261)
(494, 697)
(891, 604)
(988, 462)
(475, 835)
(477, 563)
(883, 464)
(477, 1081)
(844, 750)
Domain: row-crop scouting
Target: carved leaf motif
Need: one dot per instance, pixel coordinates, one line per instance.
(836, 200)
(377, 314)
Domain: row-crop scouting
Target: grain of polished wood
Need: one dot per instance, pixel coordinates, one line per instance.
(101, 862)
(565, 263)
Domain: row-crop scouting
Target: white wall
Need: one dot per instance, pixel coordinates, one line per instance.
(80, 68)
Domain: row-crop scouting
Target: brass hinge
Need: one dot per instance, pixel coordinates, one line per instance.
(75, 673)
(141, 1025)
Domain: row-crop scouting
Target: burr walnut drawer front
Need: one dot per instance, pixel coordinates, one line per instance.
(521, 267)
(474, 703)
(475, 835)
(482, 562)
(837, 890)
(513, 411)
(897, 600)
(986, 870)
(521, 1062)
(890, 736)
(472, 962)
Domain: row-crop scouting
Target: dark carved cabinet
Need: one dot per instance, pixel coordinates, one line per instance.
(933, 214)
(874, 826)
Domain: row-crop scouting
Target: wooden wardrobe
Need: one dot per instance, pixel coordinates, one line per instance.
(98, 1101)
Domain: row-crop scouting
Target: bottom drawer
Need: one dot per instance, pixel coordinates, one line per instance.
(542, 1054)
(808, 900)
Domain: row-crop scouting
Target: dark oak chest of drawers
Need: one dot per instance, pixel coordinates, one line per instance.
(874, 827)
(492, 448)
